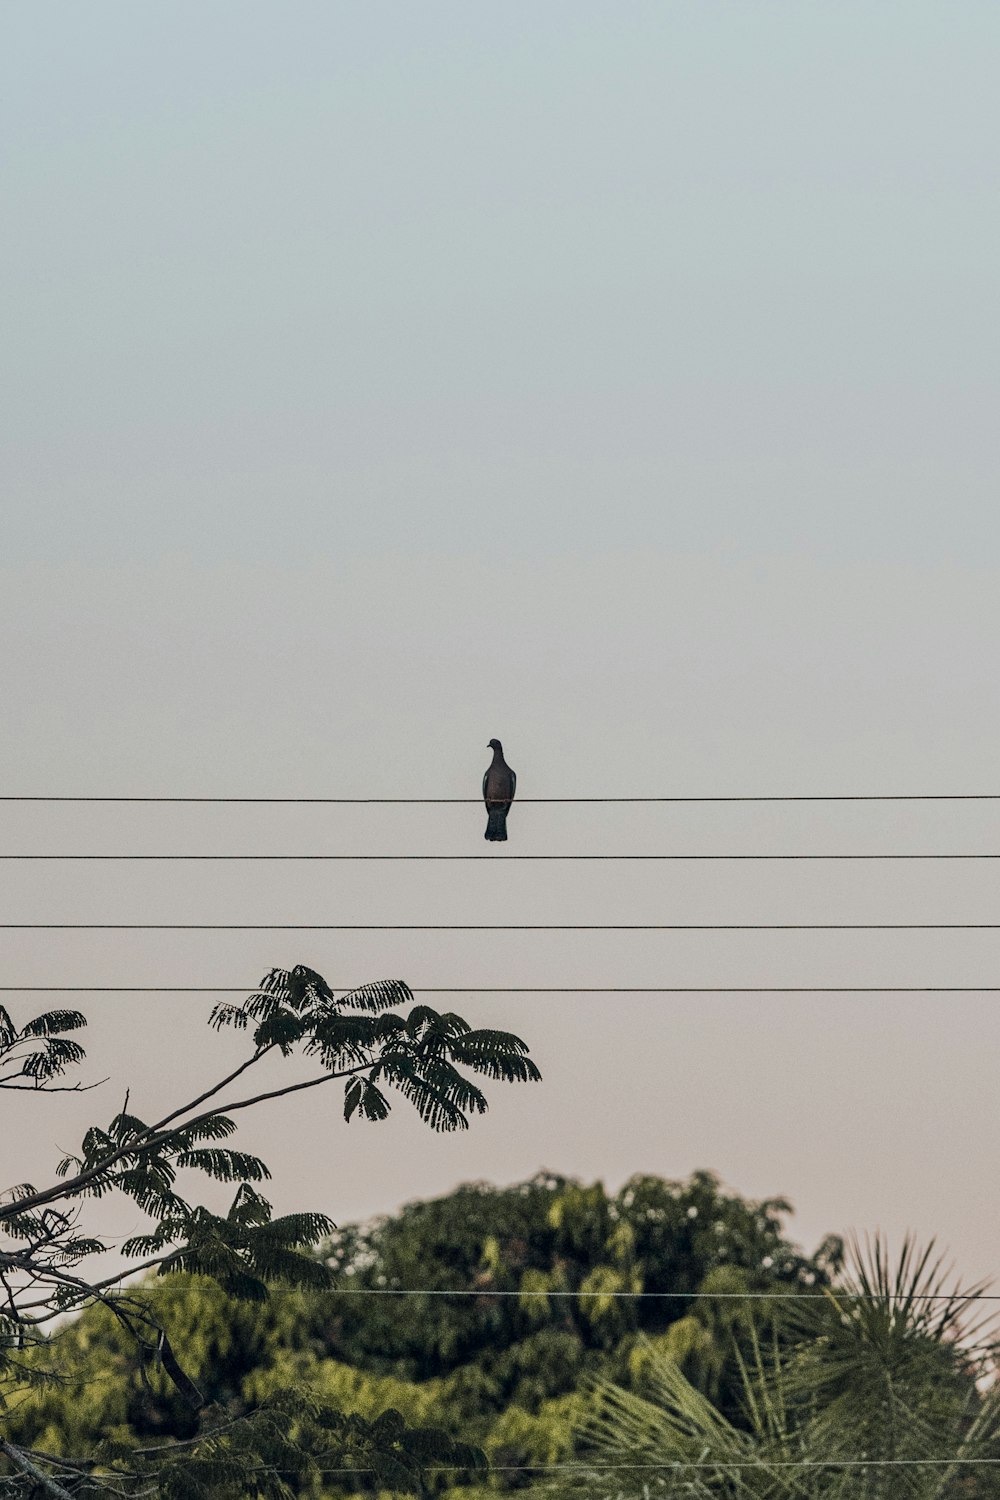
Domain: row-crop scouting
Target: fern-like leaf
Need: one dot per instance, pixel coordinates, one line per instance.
(53, 1021)
(224, 1165)
(380, 995)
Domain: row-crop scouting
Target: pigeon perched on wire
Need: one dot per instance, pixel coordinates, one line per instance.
(499, 785)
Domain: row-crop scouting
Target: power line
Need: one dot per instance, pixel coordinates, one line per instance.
(504, 858)
(499, 926)
(525, 989)
(723, 1464)
(688, 1296)
(719, 1465)
(521, 801)
(823, 1296)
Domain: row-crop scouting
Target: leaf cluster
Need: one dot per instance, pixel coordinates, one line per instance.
(46, 1256)
(35, 1054)
(420, 1054)
(505, 1373)
(879, 1390)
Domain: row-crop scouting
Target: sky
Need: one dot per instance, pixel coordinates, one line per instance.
(617, 380)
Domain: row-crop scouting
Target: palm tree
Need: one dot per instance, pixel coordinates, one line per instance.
(880, 1388)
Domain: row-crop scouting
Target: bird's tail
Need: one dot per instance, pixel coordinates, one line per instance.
(496, 827)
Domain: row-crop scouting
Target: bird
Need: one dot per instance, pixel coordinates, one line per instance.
(499, 785)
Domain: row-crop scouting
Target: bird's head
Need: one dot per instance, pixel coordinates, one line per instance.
(495, 745)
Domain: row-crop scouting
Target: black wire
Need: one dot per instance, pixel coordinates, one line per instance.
(565, 858)
(720, 1464)
(525, 989)
(521, 801)
(499, 926)
(840, 1293)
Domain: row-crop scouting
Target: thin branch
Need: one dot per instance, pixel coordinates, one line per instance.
(289, 1088)
(292, 1088)
(11, 1303)
(140, 1143)
(215, 1089)
(21, 1461)
(141, 1146)
(94, 1288)
(73, 1466)
(199, 1437)
(51, 1088)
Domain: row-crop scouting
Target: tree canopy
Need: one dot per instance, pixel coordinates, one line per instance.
(503, 1369)
(481, 1340)
(49, 1263)
(881, 1389)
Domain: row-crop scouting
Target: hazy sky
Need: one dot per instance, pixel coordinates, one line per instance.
(618, 379)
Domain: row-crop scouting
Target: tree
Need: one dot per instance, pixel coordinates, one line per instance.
(47, 1258)
(546, 1257)
(880, 1388)
(505, 1367)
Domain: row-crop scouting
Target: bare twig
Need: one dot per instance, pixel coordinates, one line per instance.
(21, 1461)
(153, 1135)
(143, 1144)
(51, 1088)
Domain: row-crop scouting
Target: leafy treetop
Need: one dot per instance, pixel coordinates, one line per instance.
(47, 1259)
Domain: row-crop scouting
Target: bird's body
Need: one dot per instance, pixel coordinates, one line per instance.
(499, 785)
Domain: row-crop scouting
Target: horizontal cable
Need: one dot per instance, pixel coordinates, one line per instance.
(499, 926)
(719, 1464)
(582, 1466)
(378, 1291)
(451, 858)
(723, 1465)
(526, 989)
(688, 1296)
(522, 801)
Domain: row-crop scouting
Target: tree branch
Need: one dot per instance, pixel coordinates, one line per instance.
(140, 1142)
(92, 1288)
(223, 1083)
(289, 1088)
(141, 1145)
(21, 1461)
(50, 1088)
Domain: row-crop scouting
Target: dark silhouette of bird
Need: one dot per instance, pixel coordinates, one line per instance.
(499, 785)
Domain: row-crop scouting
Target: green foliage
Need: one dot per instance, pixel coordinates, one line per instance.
(88, 1437)
(877, 1362)
(505, 1373)
(416, 1054)
(874, 1391)
(34, 1054)
(258, 1361)
(563, 1248)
